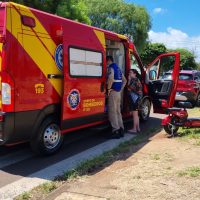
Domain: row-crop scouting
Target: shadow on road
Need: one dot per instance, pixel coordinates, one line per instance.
(75, 143)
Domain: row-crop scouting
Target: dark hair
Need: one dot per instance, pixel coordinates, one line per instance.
(135, 72)
(109, 58)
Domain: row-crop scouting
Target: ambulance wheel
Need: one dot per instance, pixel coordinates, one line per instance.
(48, 139)
(144, 109)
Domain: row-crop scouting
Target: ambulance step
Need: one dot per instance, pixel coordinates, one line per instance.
(100, 127)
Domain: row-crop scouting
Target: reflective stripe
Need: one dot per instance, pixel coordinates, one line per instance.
(117, 81)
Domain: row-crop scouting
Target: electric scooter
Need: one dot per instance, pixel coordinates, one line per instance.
(178, 117)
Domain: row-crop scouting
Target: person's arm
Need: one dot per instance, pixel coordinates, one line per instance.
(124, 81)
(110, 80)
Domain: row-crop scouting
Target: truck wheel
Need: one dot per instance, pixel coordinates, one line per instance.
(144, 109)
(171, 129)
(48, 139)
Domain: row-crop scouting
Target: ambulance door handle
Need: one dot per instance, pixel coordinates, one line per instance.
(102, 87)
(54, 76)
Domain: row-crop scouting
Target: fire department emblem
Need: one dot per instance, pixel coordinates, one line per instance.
(73, 99)
(59, 57)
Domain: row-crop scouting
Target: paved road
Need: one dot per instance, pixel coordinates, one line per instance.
(18, 165)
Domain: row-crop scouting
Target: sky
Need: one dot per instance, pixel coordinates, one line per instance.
(176, 23)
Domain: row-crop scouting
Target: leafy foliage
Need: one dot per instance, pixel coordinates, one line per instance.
(198, 66)
(151, 51)
(72, 9)
(187, 60)
(121, 17)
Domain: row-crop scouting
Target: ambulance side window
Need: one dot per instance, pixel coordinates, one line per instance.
(85, 63)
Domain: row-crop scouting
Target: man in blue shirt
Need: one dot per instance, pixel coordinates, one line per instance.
(115, 85)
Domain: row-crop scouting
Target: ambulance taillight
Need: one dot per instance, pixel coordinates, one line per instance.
(7, 93)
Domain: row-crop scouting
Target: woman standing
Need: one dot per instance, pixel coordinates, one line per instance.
(135, 93)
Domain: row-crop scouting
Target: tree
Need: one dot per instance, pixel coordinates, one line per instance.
(120, 17)
(187, 59)
(198, 66)
(151, 51)
(71, 9)
(45, 5)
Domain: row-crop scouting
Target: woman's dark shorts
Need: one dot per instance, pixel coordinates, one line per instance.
(133, 106)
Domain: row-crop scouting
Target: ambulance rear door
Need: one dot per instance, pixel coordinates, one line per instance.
(83, 102)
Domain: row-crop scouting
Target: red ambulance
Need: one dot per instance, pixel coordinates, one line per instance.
(53, 77)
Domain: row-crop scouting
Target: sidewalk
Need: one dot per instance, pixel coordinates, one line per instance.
(148, 172)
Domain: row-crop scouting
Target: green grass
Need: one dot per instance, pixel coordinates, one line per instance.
(43, 189)
(155, 157)
(24, 196)
(90, 166)
(48, 187)
(192, 172)
(191, 133)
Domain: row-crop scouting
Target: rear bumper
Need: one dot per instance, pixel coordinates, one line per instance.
(18, 127)
(6, 126)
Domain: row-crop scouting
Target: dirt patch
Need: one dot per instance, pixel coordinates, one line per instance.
(152, 172)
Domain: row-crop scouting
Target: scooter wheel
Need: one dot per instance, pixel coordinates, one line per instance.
(171, 129)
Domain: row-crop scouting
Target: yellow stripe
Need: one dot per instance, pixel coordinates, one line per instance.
(122, 36)
(8, 18)
(33, 46)
(100, 35)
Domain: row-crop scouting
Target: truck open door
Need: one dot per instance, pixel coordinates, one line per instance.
(162, 89)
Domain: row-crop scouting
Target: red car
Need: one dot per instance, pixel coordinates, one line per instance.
(188, 88)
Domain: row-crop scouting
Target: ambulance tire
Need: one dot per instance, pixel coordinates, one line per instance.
(144, 109)
(48, 139)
